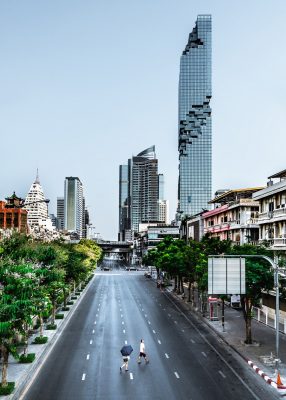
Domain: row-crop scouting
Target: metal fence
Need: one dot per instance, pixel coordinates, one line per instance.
(268, 319)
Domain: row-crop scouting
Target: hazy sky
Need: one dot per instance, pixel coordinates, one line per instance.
(85, 84)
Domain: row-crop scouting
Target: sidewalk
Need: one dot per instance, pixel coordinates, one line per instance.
(234, 335)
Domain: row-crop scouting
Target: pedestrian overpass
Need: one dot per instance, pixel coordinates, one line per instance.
(112, 248)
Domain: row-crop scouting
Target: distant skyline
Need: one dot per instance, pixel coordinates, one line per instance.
(86, 84)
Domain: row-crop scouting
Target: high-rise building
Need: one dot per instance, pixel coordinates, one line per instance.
(144, 188)
(138, 192)
(73, 206)
(195, 124)
(60, 213)
(124, 202)
(36, 205)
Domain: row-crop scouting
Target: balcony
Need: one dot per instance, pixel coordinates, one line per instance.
(279, 214)
(275, 243)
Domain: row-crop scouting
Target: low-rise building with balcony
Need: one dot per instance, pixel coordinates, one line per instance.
(234, 217)
(272, 212)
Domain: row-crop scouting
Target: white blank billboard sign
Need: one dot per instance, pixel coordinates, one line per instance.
(226, 275)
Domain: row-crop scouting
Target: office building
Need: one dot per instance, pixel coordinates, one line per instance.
(60, 213)
(138, 193)
(195, 124)
(73, 206)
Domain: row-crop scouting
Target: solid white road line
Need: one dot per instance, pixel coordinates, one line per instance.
(159, 341)
(222, 374)
(131, 375)
(87, 357)
(83, 377)
(166, 355)
(176, 375)
(204, 354)
(90, 342)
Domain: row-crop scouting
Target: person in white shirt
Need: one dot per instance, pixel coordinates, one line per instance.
(142, 352)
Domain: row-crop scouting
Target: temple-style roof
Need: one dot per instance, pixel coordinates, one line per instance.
(14, 201)
(235, 194)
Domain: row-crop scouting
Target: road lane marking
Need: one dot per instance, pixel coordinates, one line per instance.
(146, 315)
(154, 331)
(176, 375)
(193, 341)
(87, 357)
(149, 322)
(125, 341)
(183, 330)
(159, 341)
(122, 322)
(121, 315)
(93, 331)
(94, 322)
(222, 374)
(166, 355)
(90, 342)
(96, 315)
(83, 377)
(123, 330)
(175, 322)
(131, 375)
(204, 354)
(169, 315)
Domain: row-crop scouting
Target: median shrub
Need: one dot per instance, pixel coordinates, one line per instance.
(59, 316)
(40, 340)
(74, 297)
(70, 303)
(65, 308)
(27, 358)
(8, 389)
(51, 327)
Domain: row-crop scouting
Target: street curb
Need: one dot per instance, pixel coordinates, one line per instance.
(264, 376)
(31, 373)
(249, 362)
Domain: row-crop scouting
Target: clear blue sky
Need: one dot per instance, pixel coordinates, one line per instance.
(85, 84)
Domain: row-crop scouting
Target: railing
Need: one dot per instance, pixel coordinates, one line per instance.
(268, 319)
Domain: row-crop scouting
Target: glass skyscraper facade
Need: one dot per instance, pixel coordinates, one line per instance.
(138, 192)
(195, 124)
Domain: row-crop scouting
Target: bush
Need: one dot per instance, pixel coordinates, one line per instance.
(51, 327)
(65, 308)
(40, 340)
(70, 303)
(27, 358)
(5, 390)
(77, 293)
(74, 297)
(59, 316)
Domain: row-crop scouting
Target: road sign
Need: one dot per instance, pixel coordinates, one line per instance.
(226, 275)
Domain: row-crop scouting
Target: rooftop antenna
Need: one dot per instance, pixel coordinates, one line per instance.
(37, 177)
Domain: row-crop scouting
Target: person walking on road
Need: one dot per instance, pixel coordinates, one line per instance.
(142, 353)
(125, 363)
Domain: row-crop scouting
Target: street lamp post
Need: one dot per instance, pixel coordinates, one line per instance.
(277, 271)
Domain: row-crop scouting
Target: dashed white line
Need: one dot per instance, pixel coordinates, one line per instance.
(193, 341)
(204, 354)
(222, 374)
(183, 330)
(83, 377)
(94, 322)
(96, 315)
(87, 357)
(90, 342)
(93, 331)
(169, 315)
(176, 375)
(131, 375)
(125, 341)
(154, 331)
(149, 322)
(166, 355)
(175, 322)
(145, 315)
(159, 341)
(122, 322)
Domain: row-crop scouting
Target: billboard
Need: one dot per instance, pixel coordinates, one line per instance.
(226, 275)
